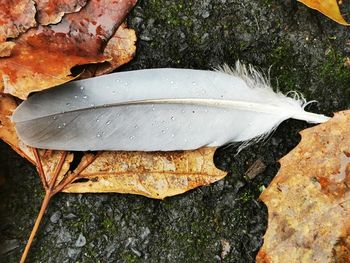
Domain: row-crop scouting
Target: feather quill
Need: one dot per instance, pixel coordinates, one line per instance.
(157, 110)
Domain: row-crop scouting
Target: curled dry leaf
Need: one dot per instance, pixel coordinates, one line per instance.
(43, 57)
(16, 16)
(329, 8)
(155, 175)
(52, 11)
(308, 200)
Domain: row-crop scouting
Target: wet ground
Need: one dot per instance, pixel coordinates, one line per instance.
(221, 222)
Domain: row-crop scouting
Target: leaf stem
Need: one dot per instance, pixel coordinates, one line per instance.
(43, 208)
(49, 193)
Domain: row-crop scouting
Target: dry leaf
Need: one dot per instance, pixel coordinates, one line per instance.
(308, 200)
(329, 8)
(52, 11)
(44, 56)
(16, 16)
(155, 175)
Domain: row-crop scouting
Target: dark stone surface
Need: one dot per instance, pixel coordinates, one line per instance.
(306, 52)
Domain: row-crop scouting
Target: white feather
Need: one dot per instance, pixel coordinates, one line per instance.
(157, 109)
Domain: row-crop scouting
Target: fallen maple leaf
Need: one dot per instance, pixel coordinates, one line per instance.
(329, 8)
(308, 200)
(16, 16)
(43, 56)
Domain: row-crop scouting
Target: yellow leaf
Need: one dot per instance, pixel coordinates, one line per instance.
(329, 8)
(308, 200)
(152, 174)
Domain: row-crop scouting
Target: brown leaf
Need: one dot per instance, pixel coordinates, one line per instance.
(329, 8)
(155, 175)
(16, 16)
(52, 11)
(44, 56)
(308, 200)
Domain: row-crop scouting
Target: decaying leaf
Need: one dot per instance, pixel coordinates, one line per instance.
(43, 56)
(308, 200)
(155, 175)
(329, 8)
(16, 16)
(52, 11)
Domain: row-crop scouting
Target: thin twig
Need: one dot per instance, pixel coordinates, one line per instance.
(74, 175)
(40, 168)
(49, 193)
(36, 226)
(57, 171)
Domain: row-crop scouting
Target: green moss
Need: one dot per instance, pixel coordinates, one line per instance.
(128, 257)
(334, 72)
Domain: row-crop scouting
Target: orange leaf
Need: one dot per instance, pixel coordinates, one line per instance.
(329, 8)
(16, 16)
(44, 56)
(308, 200)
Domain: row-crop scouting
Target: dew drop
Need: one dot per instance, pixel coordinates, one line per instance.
(54, 117)
(81, 88)
(92, 105)
(172, 135)
(118, 115)
(108, 122)
(75, 97)
(85, 97)
(126, 83)
(98, 135)
(64, 124)
(172, 118)
(183, 111)
(136, 126)
(163, 131)
(171, 82)
(59, 127)
(97, 120)
(132, 137)
(153, 109)
(194, 83)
